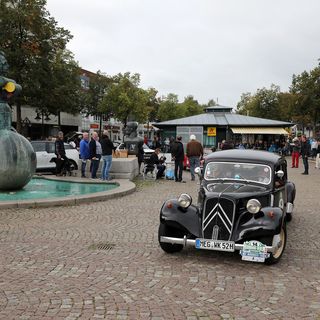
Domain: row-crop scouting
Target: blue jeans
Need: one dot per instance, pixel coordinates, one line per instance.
(107, 161)
(194, 163)
(94, 166)
(83, 167)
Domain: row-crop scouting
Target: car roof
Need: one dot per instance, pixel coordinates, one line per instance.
(240, 155)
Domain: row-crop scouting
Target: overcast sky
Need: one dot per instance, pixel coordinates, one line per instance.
(206, 48)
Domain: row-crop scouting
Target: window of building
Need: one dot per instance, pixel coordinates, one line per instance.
(185, 133)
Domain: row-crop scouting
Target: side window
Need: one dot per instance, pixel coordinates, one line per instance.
(39, 146)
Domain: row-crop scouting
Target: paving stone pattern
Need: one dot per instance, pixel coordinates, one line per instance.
(103, 261)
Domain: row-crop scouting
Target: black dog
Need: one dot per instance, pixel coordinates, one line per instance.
(65, 166)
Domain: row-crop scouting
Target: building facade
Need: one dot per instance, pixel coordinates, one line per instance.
(219, 123)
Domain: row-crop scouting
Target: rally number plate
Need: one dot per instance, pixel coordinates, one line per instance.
(217, 245)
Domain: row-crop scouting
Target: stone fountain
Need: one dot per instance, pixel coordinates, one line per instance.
(17, 157)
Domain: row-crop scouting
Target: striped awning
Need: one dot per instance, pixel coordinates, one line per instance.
(259, 130)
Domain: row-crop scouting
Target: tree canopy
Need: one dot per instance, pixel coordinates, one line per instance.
(306, 89)
(263, 102)
(300, 105)
(35, 48)
(125, 99)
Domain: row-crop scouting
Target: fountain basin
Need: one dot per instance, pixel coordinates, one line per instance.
(53, 191)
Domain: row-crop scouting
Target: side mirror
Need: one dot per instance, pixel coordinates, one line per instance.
(197, 170)
(280, 174)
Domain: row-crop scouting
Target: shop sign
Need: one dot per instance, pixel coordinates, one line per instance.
(212, 131)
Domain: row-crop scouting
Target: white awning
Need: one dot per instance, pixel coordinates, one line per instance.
(259, 130)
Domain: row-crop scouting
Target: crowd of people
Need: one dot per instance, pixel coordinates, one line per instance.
(92, 150)
(305, 148)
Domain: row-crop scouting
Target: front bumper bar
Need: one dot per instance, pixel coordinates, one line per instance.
(189, 242)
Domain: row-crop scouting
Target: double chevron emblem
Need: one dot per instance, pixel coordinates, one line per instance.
(217, 210)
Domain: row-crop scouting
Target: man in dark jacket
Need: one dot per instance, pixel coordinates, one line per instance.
(107, 148)
(154, 160)
(60, 152)
(177, 153)
(95, 154)
(305, 153)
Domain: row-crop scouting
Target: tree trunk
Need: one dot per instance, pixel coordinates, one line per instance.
(18, 116)
(59, 120)
(100, 125)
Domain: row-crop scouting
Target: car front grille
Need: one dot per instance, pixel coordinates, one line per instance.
(218, 218)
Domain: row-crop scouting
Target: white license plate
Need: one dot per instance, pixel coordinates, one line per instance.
(217, 245)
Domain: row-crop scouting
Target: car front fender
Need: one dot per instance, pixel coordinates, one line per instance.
(291, 191)
(267, 222)
(189, 219)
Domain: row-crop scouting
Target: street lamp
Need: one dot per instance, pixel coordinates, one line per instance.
(40, 116)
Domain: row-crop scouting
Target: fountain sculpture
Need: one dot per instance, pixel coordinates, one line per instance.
(17, 158)
(131, 139)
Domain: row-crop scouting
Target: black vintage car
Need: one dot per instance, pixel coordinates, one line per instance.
(244, 202)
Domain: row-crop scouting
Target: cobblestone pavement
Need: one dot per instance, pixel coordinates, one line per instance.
(102, 260)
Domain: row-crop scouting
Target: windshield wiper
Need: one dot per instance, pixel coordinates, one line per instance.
(241, 178)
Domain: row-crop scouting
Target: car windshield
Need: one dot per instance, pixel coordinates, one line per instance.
(238, 171)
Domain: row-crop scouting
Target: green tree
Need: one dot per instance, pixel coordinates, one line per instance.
(125, 99)
(93, 98)
(246, 104)
(191, 106)
(211, 103)
(306, 87)
(170, 108)
(31, 40)
(153, 104)
(61, 92)
(287, 105)
(263, 104)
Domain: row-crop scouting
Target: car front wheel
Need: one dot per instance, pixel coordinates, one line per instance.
(165, 231)
(276, 256)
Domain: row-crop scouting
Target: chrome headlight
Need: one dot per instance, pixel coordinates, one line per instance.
(184, 200)
(253, 206)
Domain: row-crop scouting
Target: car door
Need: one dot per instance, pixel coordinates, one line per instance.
(51, 148)
(280, 195)
(41, 154)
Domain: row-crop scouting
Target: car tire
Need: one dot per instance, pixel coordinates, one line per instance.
(288, 216)
(166, 231)
(275, 257)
